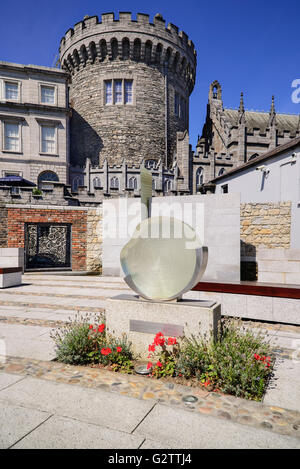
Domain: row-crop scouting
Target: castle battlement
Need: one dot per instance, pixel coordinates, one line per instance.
(91, 39)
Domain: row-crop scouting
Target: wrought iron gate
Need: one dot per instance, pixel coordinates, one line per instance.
(47, 246)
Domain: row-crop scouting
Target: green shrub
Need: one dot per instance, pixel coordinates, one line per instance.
(237, 363)
(36, 191)
(83, 340)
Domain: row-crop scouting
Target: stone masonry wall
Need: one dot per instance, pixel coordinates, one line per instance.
(94, 240)
(133, 131)
(263, 225)
(3, 227)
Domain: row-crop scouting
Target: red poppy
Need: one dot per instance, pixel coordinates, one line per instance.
(91, 326)
(172, 341)
(105, 351)
(149, 365)
(159, 340)
(119, 349)
(151, 348)
(101, 328)
(159, 364)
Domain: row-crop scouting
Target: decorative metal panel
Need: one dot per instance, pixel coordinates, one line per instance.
(47, 246)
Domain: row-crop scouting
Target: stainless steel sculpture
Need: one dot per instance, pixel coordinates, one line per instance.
(163, 259)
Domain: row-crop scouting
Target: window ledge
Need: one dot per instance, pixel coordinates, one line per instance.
(13, 152)
(48, 154)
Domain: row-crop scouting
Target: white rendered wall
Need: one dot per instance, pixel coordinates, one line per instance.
(216, 218)
(281, 184)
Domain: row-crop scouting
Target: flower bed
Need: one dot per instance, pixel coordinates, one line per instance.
(238, 362)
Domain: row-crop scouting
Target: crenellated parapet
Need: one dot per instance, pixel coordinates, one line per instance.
(91, 40)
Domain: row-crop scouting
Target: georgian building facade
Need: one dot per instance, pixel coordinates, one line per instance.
(34, 115)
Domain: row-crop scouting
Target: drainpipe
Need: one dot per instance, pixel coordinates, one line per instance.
(166, 112)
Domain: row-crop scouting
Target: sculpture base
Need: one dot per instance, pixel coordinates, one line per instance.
(140, 319)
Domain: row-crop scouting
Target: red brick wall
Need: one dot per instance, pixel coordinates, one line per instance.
(17, 217)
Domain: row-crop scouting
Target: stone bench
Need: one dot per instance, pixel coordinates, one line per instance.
(10, 276)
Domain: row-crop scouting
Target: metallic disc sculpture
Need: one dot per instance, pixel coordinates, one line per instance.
(163, 259)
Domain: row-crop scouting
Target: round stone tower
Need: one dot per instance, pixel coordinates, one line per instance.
(129, 89)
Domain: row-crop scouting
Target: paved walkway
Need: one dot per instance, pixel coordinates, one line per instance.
(45, 404)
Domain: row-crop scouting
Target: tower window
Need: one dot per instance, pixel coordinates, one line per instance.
(118, 92)
(128, 91)
(108, 92)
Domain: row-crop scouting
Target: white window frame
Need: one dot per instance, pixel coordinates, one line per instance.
(47, 85)
(113, 81)
(19, 124)
(53, 125)
(15, 82)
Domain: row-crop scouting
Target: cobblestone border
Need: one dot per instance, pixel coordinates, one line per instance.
(250, 413)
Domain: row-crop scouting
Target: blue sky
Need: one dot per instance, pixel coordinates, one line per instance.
(248, 45)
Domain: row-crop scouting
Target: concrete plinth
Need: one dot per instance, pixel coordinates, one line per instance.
(140, 319)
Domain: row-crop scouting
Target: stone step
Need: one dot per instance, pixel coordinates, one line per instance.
(63, 291)
(52, 302)
(76, 278)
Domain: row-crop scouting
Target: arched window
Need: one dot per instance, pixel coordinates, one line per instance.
(168, 56)
(103, 49)
(132, 183)
(222, 171)
(215, 92)
(96, 182)
(158, 53)
(114, 48)
(150, 164)
(76, 57)
(137, 49)
(47, 176)
(84, 54)
(114, 183)
(93, 51)
(168, 185)
(76, 182)
(199, 176)
(125, 48)
(148, 51)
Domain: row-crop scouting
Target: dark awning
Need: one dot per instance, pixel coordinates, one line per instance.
(16, 181)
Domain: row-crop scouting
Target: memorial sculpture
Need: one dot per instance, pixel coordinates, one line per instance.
(164, 258)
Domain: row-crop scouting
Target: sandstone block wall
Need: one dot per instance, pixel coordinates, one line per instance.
(263, 225)
(94, 240)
